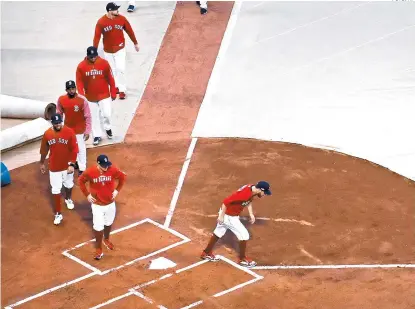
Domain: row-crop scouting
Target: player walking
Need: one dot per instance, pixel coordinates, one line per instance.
(101, 194)
(60, 142)
(77, 116)
(112, 26)
(93, 77)
(228, 218)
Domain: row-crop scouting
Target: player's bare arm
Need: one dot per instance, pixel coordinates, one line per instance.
(251, 213)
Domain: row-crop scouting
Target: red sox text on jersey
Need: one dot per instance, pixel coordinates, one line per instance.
(60, 141)
(109, 28)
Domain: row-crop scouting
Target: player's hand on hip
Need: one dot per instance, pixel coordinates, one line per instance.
(42, 168)
(137, 48)
(91, 199)
(114, 194)
(252, 220)
(70, 170)
(86, 137)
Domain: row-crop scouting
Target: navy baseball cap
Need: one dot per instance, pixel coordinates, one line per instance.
(264, 186)
(103, 161)
(70, 84)
(56, 118)
(112, 6)
(92, 52)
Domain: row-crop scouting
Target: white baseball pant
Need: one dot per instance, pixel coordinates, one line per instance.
(117, 64)
(81, 157)
(102, 216)
(234, 224)
(100, 111)
(57, 179)
(131, 3)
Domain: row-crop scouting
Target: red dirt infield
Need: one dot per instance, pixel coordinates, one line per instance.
(326, 209)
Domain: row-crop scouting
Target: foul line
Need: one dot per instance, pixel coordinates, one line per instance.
(336, 266)
(176, 194)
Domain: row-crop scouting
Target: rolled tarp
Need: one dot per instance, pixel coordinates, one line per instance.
(14, 107)
(23, 134)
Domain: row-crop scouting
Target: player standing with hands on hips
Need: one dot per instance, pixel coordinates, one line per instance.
(93, 78)
(77, 116)
(101, 194)
(60, 141)
(228, 218)
(112, 26)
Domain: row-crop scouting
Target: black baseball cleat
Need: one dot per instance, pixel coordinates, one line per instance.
(109, 133)
(203, 11)
(96, 140)
(130, 8)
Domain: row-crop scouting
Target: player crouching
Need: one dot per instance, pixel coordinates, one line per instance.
(228, 218)
(101, 194)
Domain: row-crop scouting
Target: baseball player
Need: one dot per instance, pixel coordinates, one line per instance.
(93, 78)
(101, 194)
(60, 142)
(112, 26)
(77, 116)
(228, 218)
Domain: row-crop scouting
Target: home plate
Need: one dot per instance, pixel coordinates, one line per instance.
(161, 263)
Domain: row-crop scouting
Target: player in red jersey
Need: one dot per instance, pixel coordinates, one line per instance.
(228, 218)
(60, 142)
(94, 80)
(111, 27)
(101, 194)
(77, 116)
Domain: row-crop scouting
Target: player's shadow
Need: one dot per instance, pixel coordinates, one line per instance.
(230, 240)
(84, 210)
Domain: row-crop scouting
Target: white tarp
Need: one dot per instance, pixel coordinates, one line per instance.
(21, 108)
(337, 75)
(23, 133)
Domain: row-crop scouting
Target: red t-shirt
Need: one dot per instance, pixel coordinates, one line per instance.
(236, 202)
(62, 146)
(101, 184)
(77, 113)
(113, 32)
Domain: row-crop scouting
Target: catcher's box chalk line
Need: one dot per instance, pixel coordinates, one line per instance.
(96, 271)
(220, 257)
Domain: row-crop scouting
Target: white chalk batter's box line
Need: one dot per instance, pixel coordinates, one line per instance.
(96, 271)
(147, 220)
(133, 291)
